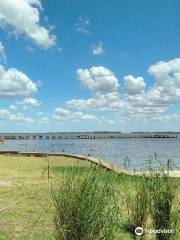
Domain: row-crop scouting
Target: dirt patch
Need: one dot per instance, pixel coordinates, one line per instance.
(4, 183)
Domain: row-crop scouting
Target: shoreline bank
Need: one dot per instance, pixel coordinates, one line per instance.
(105, 164)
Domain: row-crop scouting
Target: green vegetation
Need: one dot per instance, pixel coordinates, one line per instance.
(86, 206)
(82, 202)
(155, 204)
(162, 193)
(137, 207)
(26, 205)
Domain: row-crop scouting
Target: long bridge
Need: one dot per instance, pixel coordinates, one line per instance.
(86, 135)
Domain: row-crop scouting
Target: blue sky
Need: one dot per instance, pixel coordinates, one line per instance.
(89, 65)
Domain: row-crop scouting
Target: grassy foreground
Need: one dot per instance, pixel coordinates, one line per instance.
(26, 206)
(27, 210)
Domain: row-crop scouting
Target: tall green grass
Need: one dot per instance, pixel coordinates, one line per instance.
(137, 208)
(152, 204)
(162, 191)
(93, 204)
(86, 206)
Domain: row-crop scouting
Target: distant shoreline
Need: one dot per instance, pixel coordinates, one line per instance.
(87, 135)
(96, 132)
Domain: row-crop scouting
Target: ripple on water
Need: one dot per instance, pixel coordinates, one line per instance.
(115, 151)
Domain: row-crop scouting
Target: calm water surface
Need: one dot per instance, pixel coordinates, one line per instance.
(115, 151)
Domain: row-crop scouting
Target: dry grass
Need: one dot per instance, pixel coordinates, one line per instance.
(26, 206)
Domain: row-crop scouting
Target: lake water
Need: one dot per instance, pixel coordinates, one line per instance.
(115, 150)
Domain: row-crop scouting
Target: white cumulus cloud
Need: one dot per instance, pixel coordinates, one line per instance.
(135, 100)
(134, 85)
(23, 17)
(29, 103)
(12, 107)
(97, 49)
(167, 86)
(102, 102)
(61, 114)
(7, 116)
(2, 51)
(98, 79)
(14, 83)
